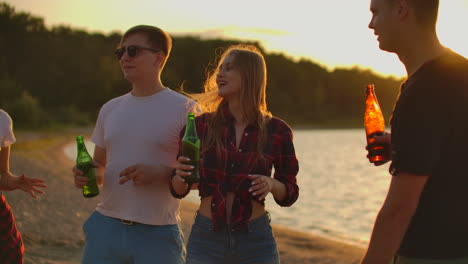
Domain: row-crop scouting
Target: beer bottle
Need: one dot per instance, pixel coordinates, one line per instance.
(191, 149)
(374, 124)
(84, 163)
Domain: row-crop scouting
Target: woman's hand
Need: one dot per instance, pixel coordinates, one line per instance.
(182, 170)
(261, 185)
(178, 183)
(24, 183)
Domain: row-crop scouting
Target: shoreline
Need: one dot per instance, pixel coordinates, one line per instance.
(52, 225)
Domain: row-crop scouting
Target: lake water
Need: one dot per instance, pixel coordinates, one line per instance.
(340, 191)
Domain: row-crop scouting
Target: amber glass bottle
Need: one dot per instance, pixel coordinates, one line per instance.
(374, 123)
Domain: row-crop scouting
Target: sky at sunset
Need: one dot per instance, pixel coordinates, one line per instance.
(330, 32)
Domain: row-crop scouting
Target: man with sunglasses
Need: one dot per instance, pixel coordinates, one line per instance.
(136, 143)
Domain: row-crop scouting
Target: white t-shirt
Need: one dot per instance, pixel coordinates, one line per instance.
(140, 130)
(6, 130)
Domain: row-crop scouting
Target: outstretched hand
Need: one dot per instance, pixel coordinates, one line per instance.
(26, 184)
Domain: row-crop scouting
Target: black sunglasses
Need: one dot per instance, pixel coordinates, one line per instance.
(132, 51)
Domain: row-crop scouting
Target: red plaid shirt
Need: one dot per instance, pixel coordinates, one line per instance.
(11, 244)
(220, 174)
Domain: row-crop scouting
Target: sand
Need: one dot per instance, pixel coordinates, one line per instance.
(52, 225)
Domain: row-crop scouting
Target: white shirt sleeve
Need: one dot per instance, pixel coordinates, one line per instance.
(7, 136)
(98, 134)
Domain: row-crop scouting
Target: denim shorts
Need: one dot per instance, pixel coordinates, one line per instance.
(110, 241)
(254, 245)
(405, 260)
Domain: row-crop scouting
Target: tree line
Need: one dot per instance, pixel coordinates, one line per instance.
(61, 75)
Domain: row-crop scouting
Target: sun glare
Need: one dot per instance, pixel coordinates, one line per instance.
(332, 33)
(452, 21)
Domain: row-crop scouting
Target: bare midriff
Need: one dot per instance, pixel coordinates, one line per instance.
(205, 207)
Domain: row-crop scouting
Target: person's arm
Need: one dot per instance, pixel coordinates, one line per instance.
(394, 217)
(279, 190)
(142, 174)
(179, 188)
(4, 167)
(286, 165)
(177, 185)
(100, 161)
(262, 185)
(283, 186)
(10, 182)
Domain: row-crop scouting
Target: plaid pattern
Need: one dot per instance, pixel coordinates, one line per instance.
(228, 172)
(11, 244)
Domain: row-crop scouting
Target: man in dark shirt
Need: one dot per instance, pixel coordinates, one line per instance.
(424, 218)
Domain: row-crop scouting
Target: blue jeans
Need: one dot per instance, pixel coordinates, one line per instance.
(254, 245)
(110, 241)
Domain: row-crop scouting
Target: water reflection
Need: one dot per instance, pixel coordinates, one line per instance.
(340, 191)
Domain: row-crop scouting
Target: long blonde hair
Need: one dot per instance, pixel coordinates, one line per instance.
(252, 67)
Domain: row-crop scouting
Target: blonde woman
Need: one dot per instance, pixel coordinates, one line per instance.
(241, 142)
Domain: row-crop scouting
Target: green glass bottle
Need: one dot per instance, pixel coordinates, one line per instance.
(191, 149)
(84, 162)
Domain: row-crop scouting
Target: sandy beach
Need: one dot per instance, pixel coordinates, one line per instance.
(52, 225)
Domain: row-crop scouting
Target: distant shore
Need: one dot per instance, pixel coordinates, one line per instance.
(52, 225)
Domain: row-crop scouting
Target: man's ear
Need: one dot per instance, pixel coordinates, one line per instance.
(160, 57)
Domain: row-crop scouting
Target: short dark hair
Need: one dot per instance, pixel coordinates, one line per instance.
(426, 12)
(157, 38)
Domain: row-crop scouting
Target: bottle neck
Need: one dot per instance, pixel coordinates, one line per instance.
(81, 147)
(190, 130)
(191, 127)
